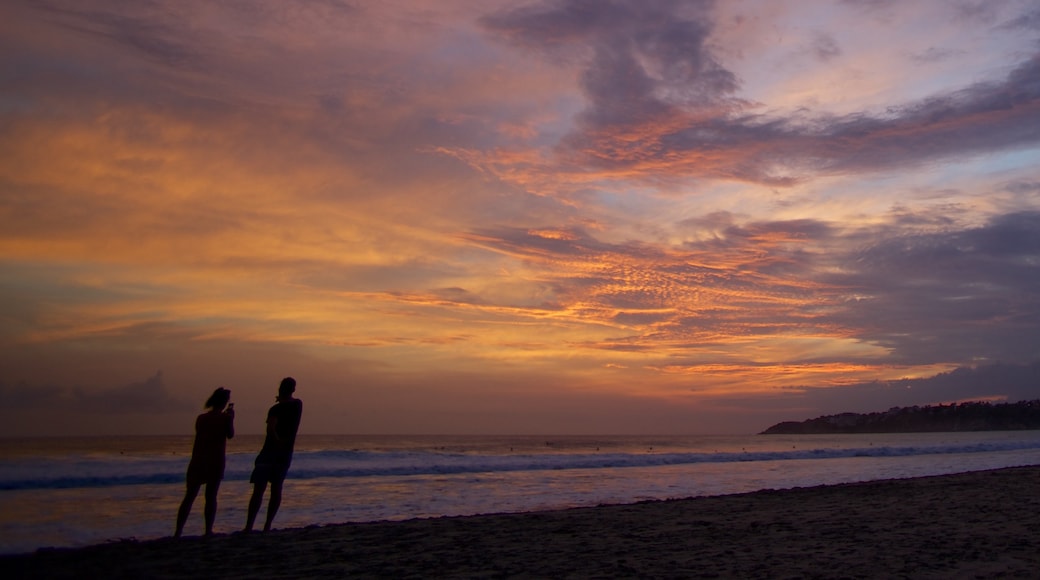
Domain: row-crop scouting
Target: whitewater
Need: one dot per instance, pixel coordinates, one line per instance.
(73, 492)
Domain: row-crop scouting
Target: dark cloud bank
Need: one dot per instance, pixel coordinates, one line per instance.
(994, 382)
(950, 295)
(147, 397)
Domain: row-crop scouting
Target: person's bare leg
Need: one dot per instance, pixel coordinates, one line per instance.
(210, 511)
(273, 504)
(190, 492)
(254, 503)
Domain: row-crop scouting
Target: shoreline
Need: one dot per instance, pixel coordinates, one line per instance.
(975, 524)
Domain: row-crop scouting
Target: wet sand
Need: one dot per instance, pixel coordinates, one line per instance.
(975, 525)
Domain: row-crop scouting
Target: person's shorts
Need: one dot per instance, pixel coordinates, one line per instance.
(204, 472)
(268, 473)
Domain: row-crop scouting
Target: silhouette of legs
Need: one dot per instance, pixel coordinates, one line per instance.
(273, 504)
(258, 498)
(210, 510)
(254, 503)
(190, 493)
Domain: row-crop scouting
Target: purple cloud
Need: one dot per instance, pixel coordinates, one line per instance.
(660, 101)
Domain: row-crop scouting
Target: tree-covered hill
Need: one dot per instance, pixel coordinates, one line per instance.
(974, 416)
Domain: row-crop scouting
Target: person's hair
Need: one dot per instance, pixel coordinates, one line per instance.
(287, 387)
(219, 398)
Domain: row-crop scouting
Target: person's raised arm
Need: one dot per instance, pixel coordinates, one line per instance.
(230, 421)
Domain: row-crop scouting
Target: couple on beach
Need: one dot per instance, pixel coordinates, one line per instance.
(212, 430)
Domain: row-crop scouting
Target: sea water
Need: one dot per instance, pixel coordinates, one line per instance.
(74, 492)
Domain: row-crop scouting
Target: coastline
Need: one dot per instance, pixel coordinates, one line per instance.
(976, 524)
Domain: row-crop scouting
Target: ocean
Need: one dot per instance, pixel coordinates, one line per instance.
(57, 492)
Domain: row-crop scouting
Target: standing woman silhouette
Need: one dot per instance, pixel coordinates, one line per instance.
(212, 430)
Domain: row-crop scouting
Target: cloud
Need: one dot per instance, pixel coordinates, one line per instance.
(751, 280)
(984, 117)
(156, 40)
(147, 397)
(1029, 21)
(825, 47)
(992, 382)
(935, 54)
(948, 295)
(924, 290)
(642, 63)
(1024, 187)
(659, 101)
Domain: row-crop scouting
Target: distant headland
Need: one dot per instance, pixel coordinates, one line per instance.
(974, 416)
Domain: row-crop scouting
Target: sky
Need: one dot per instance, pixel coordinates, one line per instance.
(508, 217)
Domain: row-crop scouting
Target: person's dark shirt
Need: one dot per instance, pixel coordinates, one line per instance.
(212, 430)
(278, 445)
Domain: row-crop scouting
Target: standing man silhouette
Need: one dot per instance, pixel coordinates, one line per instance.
(272, 464)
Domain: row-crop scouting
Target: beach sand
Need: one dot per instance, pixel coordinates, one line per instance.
(974, 525)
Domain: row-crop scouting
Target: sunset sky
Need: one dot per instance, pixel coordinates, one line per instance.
(485, 216)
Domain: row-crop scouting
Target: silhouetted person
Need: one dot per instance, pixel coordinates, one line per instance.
(212, 430)
(283, 420)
